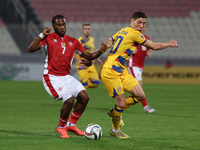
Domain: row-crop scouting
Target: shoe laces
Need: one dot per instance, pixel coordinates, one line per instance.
(120, 133)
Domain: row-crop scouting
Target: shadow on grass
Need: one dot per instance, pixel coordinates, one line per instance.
(51, 134)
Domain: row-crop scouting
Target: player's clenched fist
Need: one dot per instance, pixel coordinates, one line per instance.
(103, 47)
(85, 62)
(46, 31)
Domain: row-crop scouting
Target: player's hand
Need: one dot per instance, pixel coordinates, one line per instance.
(46, 31)
(81, 62)
(173, 43)
(103, 47)
(87, 62)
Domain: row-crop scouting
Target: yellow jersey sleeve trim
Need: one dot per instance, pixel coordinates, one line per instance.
(143, 42)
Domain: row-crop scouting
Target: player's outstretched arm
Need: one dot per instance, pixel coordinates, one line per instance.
(94, 55)
(160, 46)
(109, 42)
(34, 45)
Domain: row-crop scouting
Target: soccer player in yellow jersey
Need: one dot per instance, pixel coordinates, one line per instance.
(88, 76)
(115, 75)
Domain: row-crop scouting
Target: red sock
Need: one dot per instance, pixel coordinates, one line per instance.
(144, 102)
(62, 122)
(74, 117)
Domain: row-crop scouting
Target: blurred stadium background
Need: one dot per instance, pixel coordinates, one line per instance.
(22, 20)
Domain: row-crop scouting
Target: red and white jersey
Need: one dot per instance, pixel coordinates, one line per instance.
(60, 53)
(138, 58)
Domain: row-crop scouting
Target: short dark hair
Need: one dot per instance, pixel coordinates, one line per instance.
(139, 14)
(56, 17)
(85, 24)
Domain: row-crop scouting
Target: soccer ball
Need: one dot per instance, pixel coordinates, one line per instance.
(93, 131)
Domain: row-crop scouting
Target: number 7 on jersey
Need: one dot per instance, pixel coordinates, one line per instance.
(63, 46)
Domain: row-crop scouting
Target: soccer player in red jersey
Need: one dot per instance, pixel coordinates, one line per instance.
(60, 50)
(135, 67)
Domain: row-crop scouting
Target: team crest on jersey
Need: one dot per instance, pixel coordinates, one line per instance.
(119, 89)
(55, 41)
(62, 44)
(142, 36)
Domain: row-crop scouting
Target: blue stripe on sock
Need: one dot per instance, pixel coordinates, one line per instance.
(121, 111)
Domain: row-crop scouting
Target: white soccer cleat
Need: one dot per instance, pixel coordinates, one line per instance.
(148, 109)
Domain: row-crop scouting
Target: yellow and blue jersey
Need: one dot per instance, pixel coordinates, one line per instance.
(125, 42)
(87, 43)
(89, 46)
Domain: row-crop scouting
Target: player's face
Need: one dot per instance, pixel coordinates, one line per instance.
(138, 24)
(86, 31)
(60, 26)
(144, 29)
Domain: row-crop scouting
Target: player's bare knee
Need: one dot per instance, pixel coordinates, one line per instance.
(141, 97)
(83, 97)
(121, 106)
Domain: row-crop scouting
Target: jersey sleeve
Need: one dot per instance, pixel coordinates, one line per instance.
(43, 42)
(114, 36)
(79, 48)
(139, 38)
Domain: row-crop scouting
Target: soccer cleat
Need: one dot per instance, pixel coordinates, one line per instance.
(75, 130)
(62, 132)
(148, 109)
(110, 113)
(119, 134)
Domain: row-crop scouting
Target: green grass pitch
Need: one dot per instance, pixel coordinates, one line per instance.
(28, 117)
